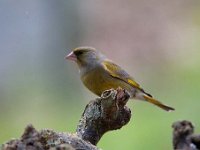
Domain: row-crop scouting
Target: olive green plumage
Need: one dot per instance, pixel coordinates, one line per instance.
(99, 74)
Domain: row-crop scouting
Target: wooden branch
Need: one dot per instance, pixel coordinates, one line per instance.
(104, 114)
(101, 115)
(47, 139)
(183, 137)
(195, 139)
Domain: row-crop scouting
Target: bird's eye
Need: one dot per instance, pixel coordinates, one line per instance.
(78, 53)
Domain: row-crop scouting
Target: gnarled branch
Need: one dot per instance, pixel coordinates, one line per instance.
(101, 115)
(183, 137)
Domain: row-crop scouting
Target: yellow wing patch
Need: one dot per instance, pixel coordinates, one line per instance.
(117, 72)
(130, 81)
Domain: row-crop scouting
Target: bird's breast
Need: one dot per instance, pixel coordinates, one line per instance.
(98, 80)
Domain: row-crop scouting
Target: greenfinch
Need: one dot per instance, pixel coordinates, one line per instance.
(99, 74)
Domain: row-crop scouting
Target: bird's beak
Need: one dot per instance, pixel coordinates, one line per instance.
(71, 56)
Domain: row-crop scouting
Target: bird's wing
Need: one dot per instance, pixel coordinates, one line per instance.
(117, 72)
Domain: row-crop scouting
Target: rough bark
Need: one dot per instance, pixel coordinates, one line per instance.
(104, 114)
(183, 137)
(101, 115)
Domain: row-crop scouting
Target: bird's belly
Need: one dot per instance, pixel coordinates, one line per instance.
(98, 83)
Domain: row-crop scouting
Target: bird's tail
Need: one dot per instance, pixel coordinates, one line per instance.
(147, 97)
(157, 103)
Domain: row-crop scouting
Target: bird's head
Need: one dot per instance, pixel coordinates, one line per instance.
(85, 56)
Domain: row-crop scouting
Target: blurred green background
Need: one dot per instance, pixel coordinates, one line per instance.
(156, 41)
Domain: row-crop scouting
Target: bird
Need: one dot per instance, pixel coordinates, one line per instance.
(98, 74)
